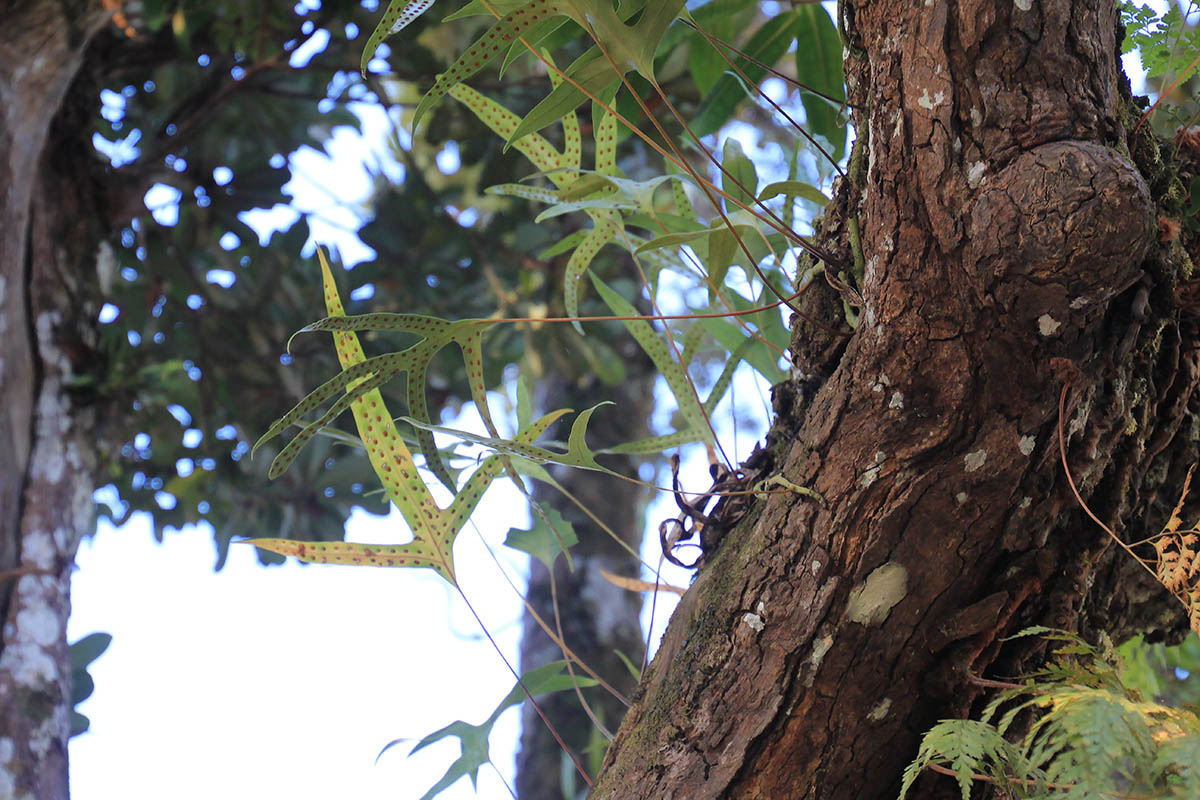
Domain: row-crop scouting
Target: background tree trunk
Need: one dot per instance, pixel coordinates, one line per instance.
(1009, 246)
(598, 618)
(46, 264)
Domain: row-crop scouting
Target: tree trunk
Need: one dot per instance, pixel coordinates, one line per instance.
(1009, 245)
(46, 262)
(597, 618)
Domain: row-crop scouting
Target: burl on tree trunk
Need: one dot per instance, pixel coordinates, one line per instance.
(1004, 226)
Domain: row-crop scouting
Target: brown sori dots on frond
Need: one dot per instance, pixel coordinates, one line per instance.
(497, 39)
(356, 388)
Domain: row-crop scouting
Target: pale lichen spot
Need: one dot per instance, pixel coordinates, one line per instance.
(1023, 5)
(897, 400)
(1048, 325)
(975, 174)
(29, 665)
(45, 333)
(37, 547)
(960, 498)
(974, 460)
(976, 117)
(1026, 445)
(754, 621)
(880, 710)
(820, 648)
(106, 267)
(1025, 502)
(930, 102)
(1080, 302)
(53, 729)
(872, 600)
(1079, 419)
(869, 476)
(815, 566)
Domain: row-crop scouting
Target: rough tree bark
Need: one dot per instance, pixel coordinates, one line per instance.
(47, 261)
(1007, 235)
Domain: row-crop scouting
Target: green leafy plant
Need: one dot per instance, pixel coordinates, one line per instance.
(1073, 729)
(1166, 44)
(473, 739)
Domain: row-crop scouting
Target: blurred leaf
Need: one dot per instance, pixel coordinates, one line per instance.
(484, 50)
(738, 176)
(794, 189)
(83, 653)
(549, 536)
(819, 65)
(767, 45)
(473, 739)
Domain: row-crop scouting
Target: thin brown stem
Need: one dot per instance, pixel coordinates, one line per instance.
(776, 73)
(587, 709)
(1062, 451)
(746, 80)
(20, 571)
(525, 689)
(1163, 94)
(679, 162)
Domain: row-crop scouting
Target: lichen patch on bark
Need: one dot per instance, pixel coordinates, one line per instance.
(871, 601)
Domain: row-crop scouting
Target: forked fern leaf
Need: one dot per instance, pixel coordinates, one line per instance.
(473, 739)
(396, 18)
(578, 454)
(564, 171)
(673, 371)
(630, 47)
(434, 529)
(496, 40)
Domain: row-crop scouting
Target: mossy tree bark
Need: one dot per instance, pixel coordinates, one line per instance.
(1010, 243)
(49, 217)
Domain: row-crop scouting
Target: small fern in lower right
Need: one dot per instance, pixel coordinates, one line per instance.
(1086, 736)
